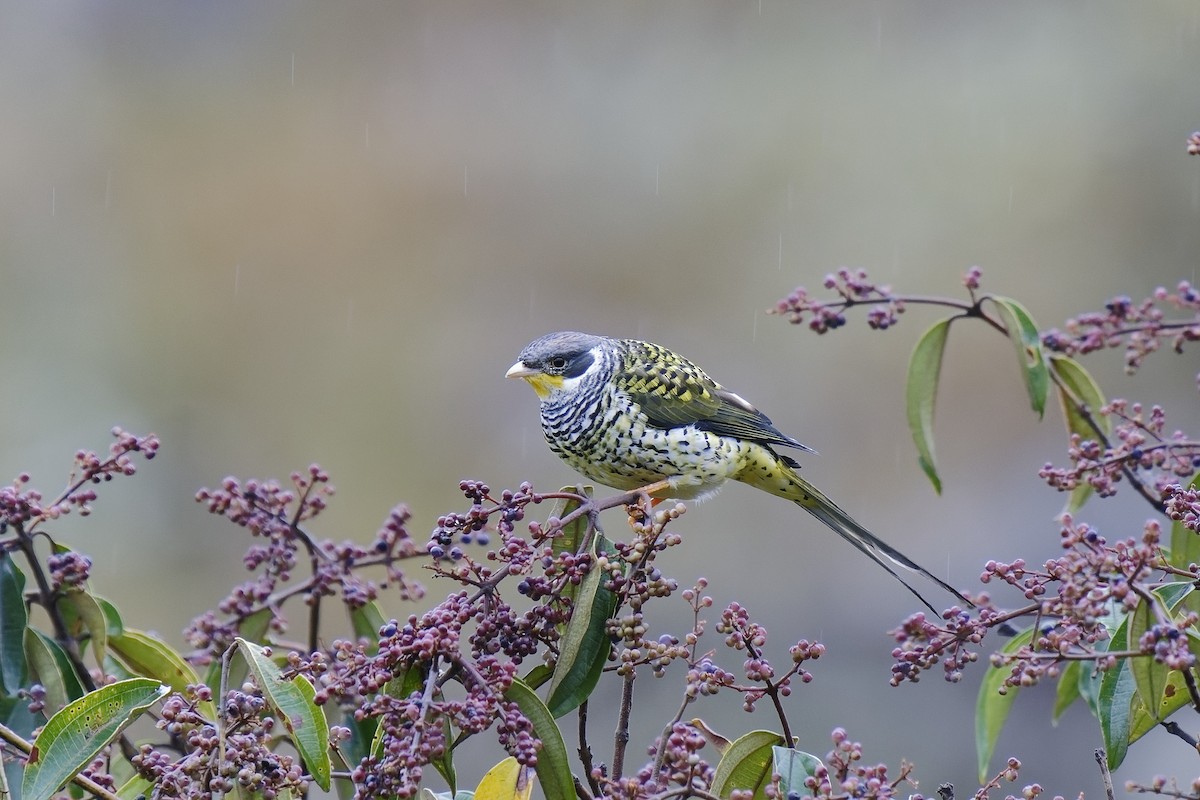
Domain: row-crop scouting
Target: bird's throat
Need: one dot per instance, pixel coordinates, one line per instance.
(544, 384)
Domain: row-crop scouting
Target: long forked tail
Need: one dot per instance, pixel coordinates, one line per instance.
(879, 551)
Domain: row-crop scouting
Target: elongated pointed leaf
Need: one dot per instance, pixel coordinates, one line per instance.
(14, 619)
(1177, 598)
(253, 629)
(748, 764)
(1023, 333)
(112, 617)
(1149, 676)
(1079, 392)
(553, 766)
(1117, 693)
(76, 734)
(52, 669)
(144, 654)
(1067, 691)
(367, 619)
(508, 780)
(584, 646)
(924, 370)
(78, 605)
(292, 701)
(991, 708)
(1174, 697)
(136, 788)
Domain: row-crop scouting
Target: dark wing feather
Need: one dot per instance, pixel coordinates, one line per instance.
(674, 392)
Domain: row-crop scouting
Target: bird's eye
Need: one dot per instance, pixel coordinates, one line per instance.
(558, 362)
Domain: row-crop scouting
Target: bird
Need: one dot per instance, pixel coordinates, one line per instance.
(634, 415)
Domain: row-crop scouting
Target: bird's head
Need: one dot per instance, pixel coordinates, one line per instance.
(557, 361)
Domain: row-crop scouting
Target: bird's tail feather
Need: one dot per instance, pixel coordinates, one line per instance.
(868, 543)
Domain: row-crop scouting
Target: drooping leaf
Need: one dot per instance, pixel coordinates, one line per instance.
(508, 780)
(76, 734)
(719, 742)
(1078, 392)
(1023, 333)
(991, 708)
(147, 655)
(747, 764)
(52, 668)
(292, 700)
(367, 619)
(553, 766)
(1115, 700)
(1174, 697)
(924, 370)
(1177, 600)
(253, 629)
(1067, 691)
(112, 617)
(80, 605)
(1149, 676)
(584, 647)
(14, 619)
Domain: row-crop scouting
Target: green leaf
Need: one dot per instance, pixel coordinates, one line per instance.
(1149, 676)
(1185, 543)
(1023, 333)
(793, 768)
(76, 734)
(1174, 697)
(1077, 390)
(1115, 701)
(79, 604)
(573, 533)
(584, 646)
(136, 788)
(747, 764)
(1067, 691)
(367, 620)
(112, 618)
(146, 655)
(538, 675)
(991, 708)
(553, 766)
(924, 369)
(14, 619)
(292, 700)
(1174, 692)
(253, 629)
(52, 669)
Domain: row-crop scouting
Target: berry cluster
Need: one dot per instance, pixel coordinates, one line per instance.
(1141, 327)
(239, 755)
(853, 288)
(1139, 445)
(274, 514)
(22, 509)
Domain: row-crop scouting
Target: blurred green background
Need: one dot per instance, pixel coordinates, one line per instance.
(279, 233)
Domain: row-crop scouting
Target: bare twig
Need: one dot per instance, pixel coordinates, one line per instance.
(1102, 760)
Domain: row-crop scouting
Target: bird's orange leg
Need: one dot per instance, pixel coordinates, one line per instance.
(657, 486)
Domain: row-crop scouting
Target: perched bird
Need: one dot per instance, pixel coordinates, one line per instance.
(631, 414)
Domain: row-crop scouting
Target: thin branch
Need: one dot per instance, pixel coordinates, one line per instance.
(1102, 760)
(621, 737)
